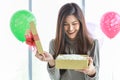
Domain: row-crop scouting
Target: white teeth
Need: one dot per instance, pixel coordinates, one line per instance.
(71, 32)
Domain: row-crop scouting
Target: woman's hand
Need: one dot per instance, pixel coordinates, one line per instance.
(90, 71)
(46, 57)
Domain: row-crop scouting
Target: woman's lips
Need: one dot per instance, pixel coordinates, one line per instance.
(71, 32)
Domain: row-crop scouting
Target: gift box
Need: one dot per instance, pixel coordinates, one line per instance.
(36, 37)
(71, 61)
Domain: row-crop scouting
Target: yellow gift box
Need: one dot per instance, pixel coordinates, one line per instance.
(36, 37)
(71, 61)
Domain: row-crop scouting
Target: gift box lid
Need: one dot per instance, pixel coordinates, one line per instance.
(36, 37)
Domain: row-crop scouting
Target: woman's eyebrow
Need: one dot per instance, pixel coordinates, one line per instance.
(74, 21)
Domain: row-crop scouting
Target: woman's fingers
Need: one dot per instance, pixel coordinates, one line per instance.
(90, 67)
(90, 60)
(44, 56)
(39, 56)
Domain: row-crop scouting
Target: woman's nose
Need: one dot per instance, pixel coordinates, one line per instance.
(71, 27)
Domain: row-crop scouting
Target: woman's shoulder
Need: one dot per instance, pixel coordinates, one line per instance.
(94, 49)
(51, 43)
(51, 47)
(94, 44)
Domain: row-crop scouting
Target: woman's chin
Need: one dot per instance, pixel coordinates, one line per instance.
(71, 37)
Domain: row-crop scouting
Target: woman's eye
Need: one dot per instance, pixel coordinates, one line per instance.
(74, 23)
(65, 24)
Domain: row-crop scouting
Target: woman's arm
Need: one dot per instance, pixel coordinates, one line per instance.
(94, 53)
(53, 72)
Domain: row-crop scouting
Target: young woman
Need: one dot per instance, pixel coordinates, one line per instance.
(72, 37)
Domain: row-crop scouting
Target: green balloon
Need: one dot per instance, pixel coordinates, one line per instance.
(20, 22)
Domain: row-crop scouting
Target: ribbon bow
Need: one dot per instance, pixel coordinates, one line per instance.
(29, 38)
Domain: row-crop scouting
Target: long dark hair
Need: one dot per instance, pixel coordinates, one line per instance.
(84, 39)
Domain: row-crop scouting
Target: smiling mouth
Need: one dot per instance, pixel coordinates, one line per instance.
(71, 32)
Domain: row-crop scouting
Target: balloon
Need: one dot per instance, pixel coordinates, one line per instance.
(110, 24)
(19, 23)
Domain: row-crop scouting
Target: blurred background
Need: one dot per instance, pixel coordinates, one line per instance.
(14, 55)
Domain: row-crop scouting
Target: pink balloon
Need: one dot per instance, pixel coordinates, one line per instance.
(110, 24)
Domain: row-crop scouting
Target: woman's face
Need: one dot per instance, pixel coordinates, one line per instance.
(71, 26)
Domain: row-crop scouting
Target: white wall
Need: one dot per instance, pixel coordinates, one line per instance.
(13, 54)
